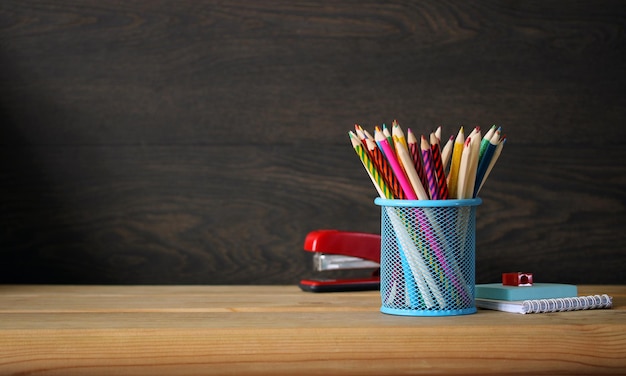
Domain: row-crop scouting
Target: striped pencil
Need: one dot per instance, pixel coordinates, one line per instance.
(385, 170)
(442, 185)
(420, 168)
(368, 134)
(381, 140)
(429, 169)
(438, 134)
(407, 165)
(359, 132)
(416, 156)
(377, 179)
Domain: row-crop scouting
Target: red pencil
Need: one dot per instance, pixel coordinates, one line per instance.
(385, 170)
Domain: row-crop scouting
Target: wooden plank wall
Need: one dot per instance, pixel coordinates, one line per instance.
(197, 142)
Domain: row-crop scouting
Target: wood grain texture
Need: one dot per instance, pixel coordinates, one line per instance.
(256, 330)
(199, 141)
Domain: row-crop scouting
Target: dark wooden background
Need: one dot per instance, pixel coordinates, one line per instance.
(198, 142)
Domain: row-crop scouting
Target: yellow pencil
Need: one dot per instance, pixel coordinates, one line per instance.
(396, 131)
(463, 169)
(455, 164)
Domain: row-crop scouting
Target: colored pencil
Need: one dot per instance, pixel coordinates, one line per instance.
(442, 185)
(381, 140)
(485, 160)
(463, 169)
(494, 158)
(362, 137)
(429, 169)
(368, 135)
(446, 153)
(455, 164)
(420, 169)
(387, 135)
(485, 141)
(473, 165)
(377, 179)
(407, 164)
(474, 132)
(416, 155)
(396, 131)
(385, 170)
(359, 132)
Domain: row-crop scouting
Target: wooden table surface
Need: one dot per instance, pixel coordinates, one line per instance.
(280, 330)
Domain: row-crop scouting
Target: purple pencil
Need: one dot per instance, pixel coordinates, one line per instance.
(429, 169)
(442, 186)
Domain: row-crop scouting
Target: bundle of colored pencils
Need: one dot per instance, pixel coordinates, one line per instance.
(420, 169)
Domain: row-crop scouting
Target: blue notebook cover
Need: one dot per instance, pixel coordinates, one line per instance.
(536, 291)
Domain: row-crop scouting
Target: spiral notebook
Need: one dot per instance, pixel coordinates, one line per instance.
(575, 303)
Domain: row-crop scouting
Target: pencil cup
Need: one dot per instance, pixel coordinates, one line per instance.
(427, 260)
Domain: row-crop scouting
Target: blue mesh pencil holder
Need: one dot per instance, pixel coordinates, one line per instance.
(427, 263)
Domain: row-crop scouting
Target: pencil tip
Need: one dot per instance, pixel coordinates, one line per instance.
(433, 138)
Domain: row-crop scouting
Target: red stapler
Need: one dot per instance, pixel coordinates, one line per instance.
(339, 250)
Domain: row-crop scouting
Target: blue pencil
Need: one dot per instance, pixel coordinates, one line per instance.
(485, 161)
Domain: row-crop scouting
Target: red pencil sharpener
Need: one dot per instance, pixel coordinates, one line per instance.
(517, 279)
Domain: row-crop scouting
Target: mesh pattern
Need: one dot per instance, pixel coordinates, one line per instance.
(428, 260)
